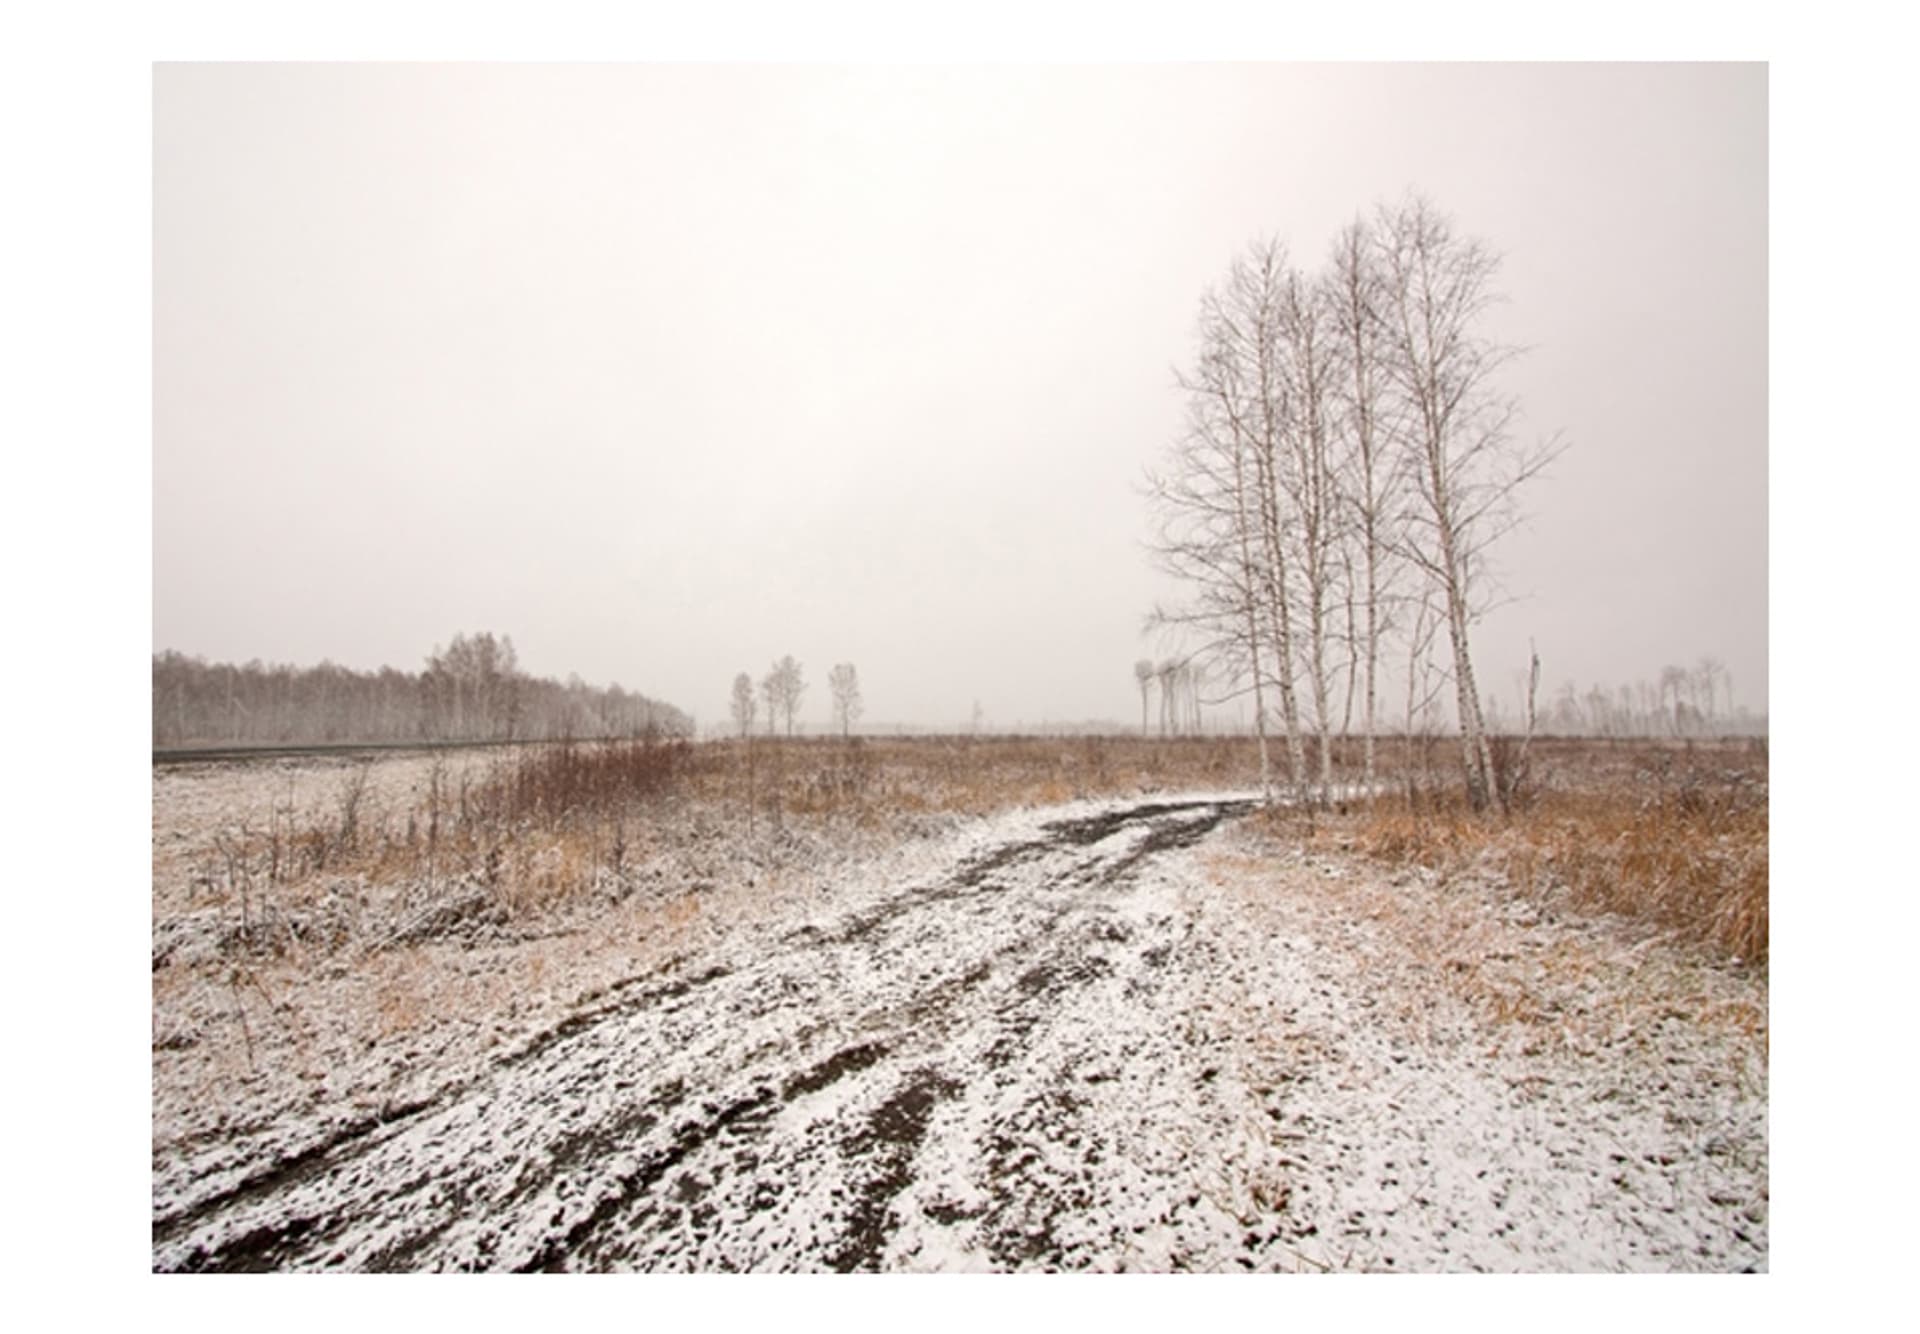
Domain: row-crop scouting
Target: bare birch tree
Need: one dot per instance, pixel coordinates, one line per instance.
(1169, 720)
(770, 692)
(1355, 294)
(1205, 539)
(743, 710)
(1673, 686)
(1709, 671)
(743, 707)
(784, 685)
(1249, 323)
(1223, 525)
(1463, 464)
(1306, 479)
(844, 684)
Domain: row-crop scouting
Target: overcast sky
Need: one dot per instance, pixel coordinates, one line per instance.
(668, 371)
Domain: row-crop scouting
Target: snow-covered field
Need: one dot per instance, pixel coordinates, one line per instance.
(1129, 1034)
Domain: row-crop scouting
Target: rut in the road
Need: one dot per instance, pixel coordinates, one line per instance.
(765, 1112)
(328, 1150)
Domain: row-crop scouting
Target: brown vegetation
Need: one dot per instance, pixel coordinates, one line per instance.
(877, 781)
(1671, 835)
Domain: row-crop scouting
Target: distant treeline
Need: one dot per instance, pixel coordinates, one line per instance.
(1692, 701)
(473, 690)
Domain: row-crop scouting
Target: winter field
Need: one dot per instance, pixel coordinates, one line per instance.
(962, 1004)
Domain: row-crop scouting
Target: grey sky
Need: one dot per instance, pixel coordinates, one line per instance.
(667, 371)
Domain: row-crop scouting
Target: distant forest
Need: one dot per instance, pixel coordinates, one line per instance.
(472, 690)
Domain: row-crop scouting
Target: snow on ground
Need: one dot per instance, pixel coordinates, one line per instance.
(1113, 1035)
(1458, 1081)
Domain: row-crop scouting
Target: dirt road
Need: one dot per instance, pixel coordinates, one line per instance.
(921, 1067)
(1025, 1060)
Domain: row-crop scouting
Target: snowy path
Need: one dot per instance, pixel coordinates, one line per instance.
(1022, 1061)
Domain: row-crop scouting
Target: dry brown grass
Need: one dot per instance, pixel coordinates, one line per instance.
(541, 826)
(1674, 838)
(872, 779)
(1673, 835)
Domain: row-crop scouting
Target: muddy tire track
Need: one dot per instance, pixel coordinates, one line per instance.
(940, 1074)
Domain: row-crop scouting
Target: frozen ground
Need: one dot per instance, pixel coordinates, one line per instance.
(1108, 1036)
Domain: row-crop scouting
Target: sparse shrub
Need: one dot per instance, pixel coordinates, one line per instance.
(1512, 771)
(550, 784)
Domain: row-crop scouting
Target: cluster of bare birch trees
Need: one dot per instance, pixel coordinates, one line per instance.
(782, 689)
(1692, 701)
(1179, 680)
(1347, 460)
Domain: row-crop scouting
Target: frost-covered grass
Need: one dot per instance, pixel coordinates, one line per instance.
(254, 860)
(347, 986)
(1674, 837)
(883, 778)
(1283, 1048)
